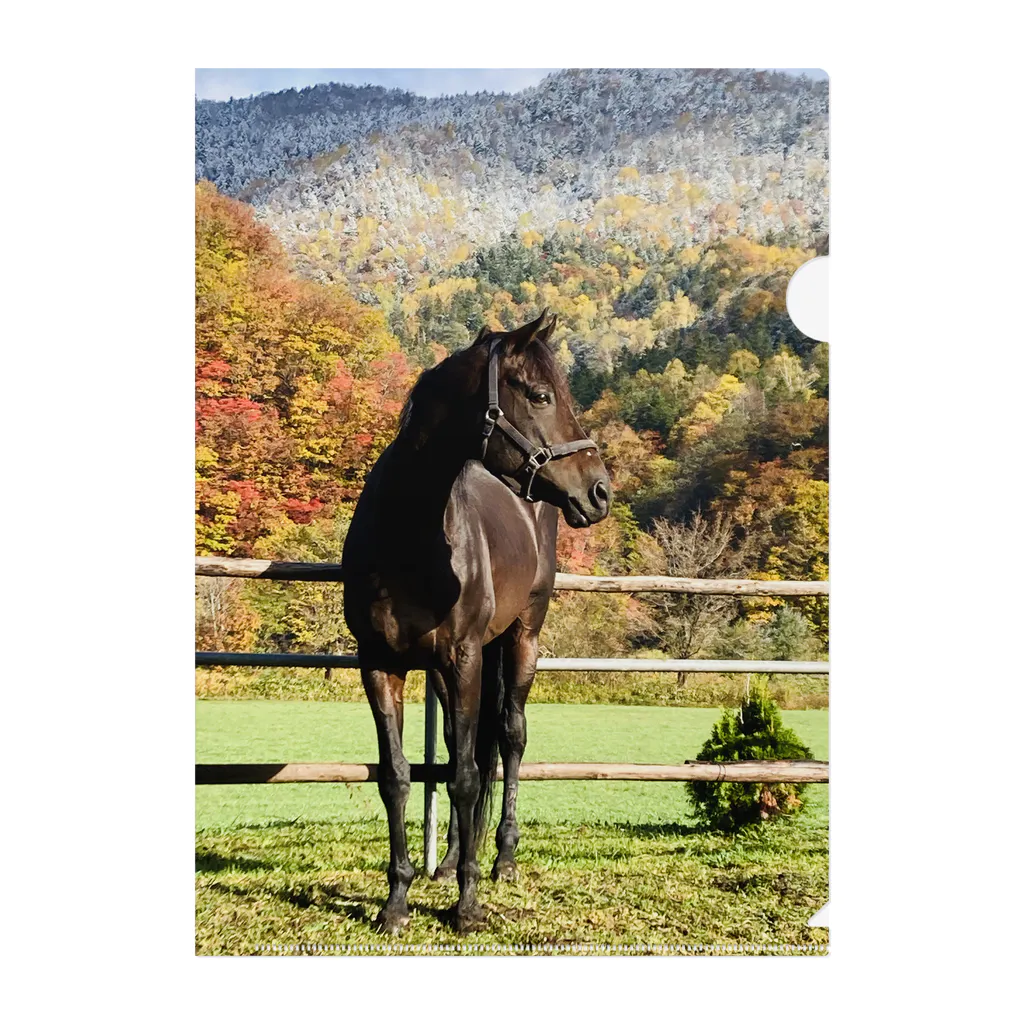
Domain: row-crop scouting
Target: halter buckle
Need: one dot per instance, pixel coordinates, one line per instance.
(541, 457)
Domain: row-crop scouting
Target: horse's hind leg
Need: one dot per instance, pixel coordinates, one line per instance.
(519, 665)
(384, 691)
(446, 869)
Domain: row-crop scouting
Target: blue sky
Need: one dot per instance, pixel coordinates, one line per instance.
(223, 83)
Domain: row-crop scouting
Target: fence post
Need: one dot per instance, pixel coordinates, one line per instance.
(430, 787)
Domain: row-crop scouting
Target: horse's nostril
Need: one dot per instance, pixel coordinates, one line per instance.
(599, 494)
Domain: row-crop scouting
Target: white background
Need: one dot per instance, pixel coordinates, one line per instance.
(925, 522)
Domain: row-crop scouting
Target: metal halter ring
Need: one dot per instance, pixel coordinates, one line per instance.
(535, 461)
(491, 417)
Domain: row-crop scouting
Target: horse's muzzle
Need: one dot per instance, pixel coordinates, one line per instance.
(580, 512)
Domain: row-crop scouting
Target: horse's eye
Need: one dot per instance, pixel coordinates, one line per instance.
(540, 398)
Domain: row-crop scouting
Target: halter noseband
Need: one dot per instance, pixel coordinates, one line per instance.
(535, 455)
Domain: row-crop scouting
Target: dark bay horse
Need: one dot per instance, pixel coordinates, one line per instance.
(449, 565)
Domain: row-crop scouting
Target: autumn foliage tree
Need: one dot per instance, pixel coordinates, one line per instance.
(298, 386)
(665, 249)
(707, 403)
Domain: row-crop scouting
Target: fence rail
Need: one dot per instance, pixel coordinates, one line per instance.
(540, 771)
(207, 659)
(431, 773)
(330, 572)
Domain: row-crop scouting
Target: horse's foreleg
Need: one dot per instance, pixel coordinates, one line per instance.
(520, 666)
(384, 691)
(446, 869)
(464, 684)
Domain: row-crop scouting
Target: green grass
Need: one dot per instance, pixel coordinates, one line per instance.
(273, 731)
(600, 862)
(647, 689)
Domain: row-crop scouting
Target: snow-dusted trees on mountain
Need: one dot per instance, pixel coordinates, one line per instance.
(396, 194)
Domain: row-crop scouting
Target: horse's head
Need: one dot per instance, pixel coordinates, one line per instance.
(531, 438)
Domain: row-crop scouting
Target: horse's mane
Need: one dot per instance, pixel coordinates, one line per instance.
(434, 384)
(429, 387)
(405, 416)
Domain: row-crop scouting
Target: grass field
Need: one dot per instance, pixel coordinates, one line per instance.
(645, 689)
(600, 862)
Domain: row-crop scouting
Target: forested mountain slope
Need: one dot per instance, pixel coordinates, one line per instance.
(370, 182)
(587, 117)
(659, 213)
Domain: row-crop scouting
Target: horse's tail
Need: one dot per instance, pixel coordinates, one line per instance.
(492, 699)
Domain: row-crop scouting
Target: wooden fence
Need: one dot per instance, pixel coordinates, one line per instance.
(537, 771)
(330, 572)
(430, 773)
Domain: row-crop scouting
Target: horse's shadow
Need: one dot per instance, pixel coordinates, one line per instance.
(325, 898)
(208, 861)
(355, 906)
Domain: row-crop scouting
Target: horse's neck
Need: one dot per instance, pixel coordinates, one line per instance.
(417, 485)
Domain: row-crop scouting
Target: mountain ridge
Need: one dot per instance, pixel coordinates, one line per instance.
(261, 137)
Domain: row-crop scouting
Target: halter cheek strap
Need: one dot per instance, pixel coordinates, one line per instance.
(535, 455)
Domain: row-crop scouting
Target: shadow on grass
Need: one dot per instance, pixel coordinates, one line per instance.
(359, 907)
(210, 862)
(325, 898)
(763, 834)
(661, 830)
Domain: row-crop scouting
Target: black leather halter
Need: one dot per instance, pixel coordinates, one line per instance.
(535, 455)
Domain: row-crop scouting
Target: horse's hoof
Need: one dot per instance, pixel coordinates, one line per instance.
(504, 871)
(469, 919)
(390, 922)
(443, 873)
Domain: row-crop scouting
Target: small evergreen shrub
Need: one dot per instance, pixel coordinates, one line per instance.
(754, 733)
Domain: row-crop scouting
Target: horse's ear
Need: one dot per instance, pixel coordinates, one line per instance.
(544, 334)
(518, 339)
(481, 336)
